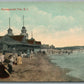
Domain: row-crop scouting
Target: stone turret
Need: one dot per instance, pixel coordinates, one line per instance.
(10, 33)
(24, 31)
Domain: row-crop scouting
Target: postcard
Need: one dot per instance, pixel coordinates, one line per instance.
(41, 41)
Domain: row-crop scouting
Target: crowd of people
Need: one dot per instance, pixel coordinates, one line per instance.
(6, 64)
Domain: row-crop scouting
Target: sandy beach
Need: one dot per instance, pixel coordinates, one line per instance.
(39, 69)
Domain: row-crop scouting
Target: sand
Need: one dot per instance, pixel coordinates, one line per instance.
(39, 69)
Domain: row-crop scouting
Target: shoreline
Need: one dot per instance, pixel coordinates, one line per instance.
(39, 69)
(70, 78)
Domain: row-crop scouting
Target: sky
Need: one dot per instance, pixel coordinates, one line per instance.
(42, 0)
(57, 23)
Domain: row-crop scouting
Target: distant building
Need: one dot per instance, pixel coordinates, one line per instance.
(45, 46)
(52, 46)
(11, 42)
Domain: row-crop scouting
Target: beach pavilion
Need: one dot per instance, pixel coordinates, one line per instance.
(16, 43)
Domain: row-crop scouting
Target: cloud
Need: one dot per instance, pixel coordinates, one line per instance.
(2, 33)
(0, 21)
(60, 30)
(60, 38)
(38, 17)
(16, 31)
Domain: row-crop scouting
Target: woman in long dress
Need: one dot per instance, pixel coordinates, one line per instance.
(19, 59)
(3, 71)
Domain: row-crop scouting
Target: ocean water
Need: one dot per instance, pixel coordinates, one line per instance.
(74, 62)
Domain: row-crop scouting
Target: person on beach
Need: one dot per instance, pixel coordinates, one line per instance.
(19, 59)
(14, 58)
(28, 53)
(2, 58)
(3, 71)
(9, 65)
(31, 54)
(11, 60)
(24, 54)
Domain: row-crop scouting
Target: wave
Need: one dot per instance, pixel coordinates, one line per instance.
(74, 62)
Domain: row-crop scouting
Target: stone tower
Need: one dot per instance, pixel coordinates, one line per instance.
(10, 33)
(24, 31)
